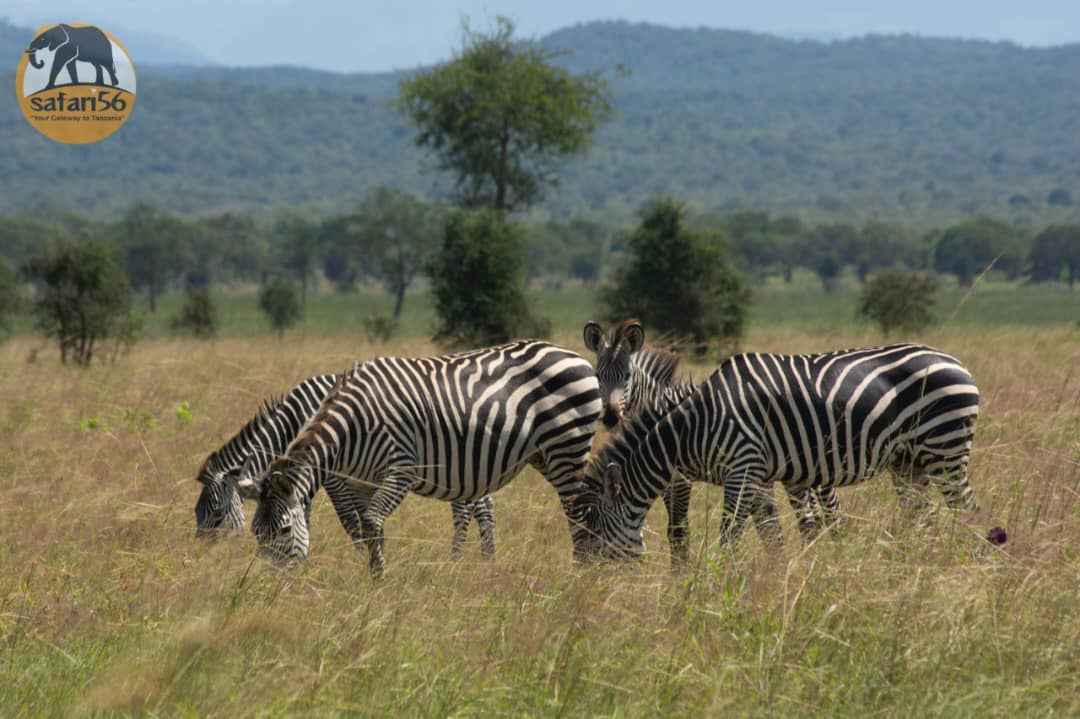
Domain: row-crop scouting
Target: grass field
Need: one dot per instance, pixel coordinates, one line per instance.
(108, 606)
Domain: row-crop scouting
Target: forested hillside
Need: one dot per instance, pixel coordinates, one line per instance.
(889, 127)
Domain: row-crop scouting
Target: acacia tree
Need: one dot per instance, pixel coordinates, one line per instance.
(1055, 249)
(400, 232)
(500, 114)
(155, 246)
(82, 299)
(678, 282)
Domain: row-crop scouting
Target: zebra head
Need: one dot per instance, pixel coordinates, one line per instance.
(280, 523)
(219, 507)
(606, 526)
(613, 355)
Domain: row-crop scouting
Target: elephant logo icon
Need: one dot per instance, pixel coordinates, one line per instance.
(55, 89)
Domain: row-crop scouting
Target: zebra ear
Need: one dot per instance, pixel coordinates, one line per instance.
(612, 482)
(247, 480)
(635, 336)
(594, 336)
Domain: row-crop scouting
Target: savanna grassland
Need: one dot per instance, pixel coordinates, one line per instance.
(108, 605)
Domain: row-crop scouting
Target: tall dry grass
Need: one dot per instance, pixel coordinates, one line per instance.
(108, 606)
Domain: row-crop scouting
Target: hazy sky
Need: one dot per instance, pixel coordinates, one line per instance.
(370, 36)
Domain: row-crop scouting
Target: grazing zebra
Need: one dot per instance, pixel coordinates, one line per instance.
(268, 435)
(632, 379)
(455, 427)
(805, 421)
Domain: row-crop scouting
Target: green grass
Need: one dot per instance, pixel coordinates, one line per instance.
(109, 607)
(801, 304)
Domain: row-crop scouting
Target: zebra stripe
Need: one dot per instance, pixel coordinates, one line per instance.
(634, 379)
(267, 436)
(809, 422)
(455, 427)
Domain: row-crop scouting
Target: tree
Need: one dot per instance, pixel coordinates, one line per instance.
(400, 234)
(478, 279)
(83, 298)
(10, 301)
(156, 246)
(1056, 249)
(198, 316)
(898, 300)
(972, 247)
(824, 249)
(500, 114)
(298, 240)
(678, 282)
(281, 305)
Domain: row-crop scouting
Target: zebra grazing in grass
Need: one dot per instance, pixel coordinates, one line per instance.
(805, 421)
(455, 427)
(268, 435)
(634, 379)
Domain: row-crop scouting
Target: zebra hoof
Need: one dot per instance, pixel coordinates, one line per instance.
(997, 536)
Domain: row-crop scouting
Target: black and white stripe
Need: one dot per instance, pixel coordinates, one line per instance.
(634, 379)
(809, 422)
(455, 427)
(266, 437)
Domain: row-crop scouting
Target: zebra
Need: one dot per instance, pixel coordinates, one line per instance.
(806, 421)
(275, 425)
(453, 427)
(633, 378)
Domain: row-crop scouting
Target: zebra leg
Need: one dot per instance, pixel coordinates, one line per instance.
(383, 502)
(462, 513)
(804, 504)
(484, 511)
(677, 501)
(951, 479)
(766, 519)
(827, 503)
(740, 497)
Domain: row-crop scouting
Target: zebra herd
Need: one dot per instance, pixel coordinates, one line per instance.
(459, 427)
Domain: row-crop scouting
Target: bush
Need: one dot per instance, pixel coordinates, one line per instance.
(198, 316)
(478, 281)
(280, 302)
(10, 301)
(83, 300)
(898, 300)
(678, 282)
(380, 329)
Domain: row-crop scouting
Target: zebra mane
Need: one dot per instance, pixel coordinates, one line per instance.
(658, 363)
(236, 443)
(626, 438)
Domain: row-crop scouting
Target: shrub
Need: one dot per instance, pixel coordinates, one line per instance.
(678, 282)
(280, 302)
(380, 329)
(83, 300)
(478, 280)
(198, 316)
(898, 300)
(10, 301)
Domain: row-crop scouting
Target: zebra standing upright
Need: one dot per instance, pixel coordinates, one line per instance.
(633, 379)
(265, 437)
(455, 427)
(805, 421)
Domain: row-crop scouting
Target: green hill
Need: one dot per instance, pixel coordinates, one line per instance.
(894, 127)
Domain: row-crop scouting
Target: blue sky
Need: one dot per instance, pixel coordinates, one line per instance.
(373, 36)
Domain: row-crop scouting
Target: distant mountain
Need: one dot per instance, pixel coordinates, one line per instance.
(147, 48)
(890, 126)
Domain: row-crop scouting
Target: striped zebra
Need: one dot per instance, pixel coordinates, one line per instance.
(632, 379)
(455, 427)
(268, 435)
(806, 421)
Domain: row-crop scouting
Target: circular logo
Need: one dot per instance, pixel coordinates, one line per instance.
(75, 83)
